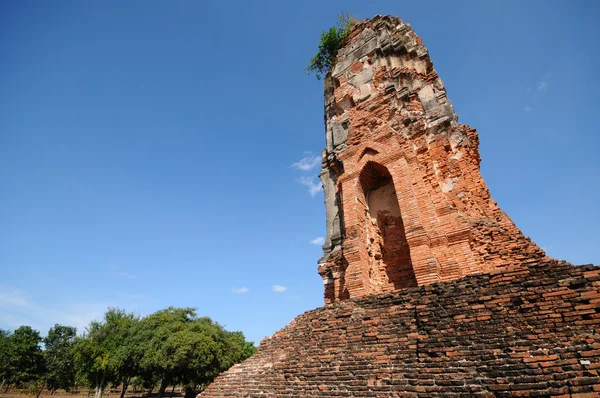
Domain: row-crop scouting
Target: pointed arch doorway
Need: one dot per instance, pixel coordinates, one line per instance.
(387, 251)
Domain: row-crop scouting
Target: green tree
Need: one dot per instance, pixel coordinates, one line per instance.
(180, 348)
(153, 333)
(5, 355)
(102, 354)
(90, 358)
(239, 348)
(203, 350)
(169, 347)
(195, 354)
(26, 358)
(124, 347)
(59, 354)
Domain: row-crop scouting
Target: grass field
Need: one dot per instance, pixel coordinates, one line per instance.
(86, 394)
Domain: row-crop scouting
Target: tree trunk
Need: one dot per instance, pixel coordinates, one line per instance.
(99, 388)
(125, 385)
(172, 389)
(190, 392)
(163, 387)
(39, 391)
(151, 389)
(2, 385)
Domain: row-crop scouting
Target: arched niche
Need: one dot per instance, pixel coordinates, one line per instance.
(389, 265)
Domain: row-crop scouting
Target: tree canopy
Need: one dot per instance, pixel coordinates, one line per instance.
(170, 347)
(60, 371)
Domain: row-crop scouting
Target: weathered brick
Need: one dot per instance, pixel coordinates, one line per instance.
(431, 290)
(406, 204)
(433, 355)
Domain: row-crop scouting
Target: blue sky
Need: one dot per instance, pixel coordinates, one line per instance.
(158, 153)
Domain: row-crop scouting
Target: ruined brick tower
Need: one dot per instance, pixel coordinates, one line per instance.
(406, 207)
(405, 201)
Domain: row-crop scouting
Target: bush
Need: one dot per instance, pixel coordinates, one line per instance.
(331, 42)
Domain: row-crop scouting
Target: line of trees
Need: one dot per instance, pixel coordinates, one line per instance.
(167, 348)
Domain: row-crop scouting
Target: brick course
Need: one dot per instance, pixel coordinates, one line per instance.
(388, 118)
(531, 330)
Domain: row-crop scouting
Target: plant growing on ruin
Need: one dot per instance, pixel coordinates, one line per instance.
(331, 42)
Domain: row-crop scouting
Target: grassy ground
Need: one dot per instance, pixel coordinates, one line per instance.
(83, 394)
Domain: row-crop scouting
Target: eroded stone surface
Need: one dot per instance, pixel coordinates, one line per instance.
(386, 107)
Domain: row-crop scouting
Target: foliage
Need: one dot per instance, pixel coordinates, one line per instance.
(103, 354)
(169, 347)
(59, 354)
(181, 348)
(5, 366)
(331, 42)
(154, 331)
(90, 358)
(25, 355)
(124, 353)
(22, 361)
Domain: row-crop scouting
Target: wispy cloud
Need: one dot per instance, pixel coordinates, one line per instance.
(118, 271)
(10, 297)
(241, 290)
(127, 275)
(318, 241)
(18, 308)
(534, 93)
(279, 288)
(313, 185)
(308, 163)
(294, 297)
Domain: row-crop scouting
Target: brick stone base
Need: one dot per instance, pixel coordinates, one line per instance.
(531, 330)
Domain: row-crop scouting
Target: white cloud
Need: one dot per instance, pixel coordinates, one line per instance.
(542, 85)
(318, 241)
(241, 290)
(127, 275)
(18, 308)
(294, 297)
(12, 297)
(308, 163)
(10, 321)
(79, 315)
(536, 92)
(279, 288)
(313, 187)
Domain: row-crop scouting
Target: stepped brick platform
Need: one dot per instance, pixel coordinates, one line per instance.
(531, 330)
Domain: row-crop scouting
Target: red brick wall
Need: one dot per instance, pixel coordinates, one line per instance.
(527, 331)
(389, 263)
(387, 108)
